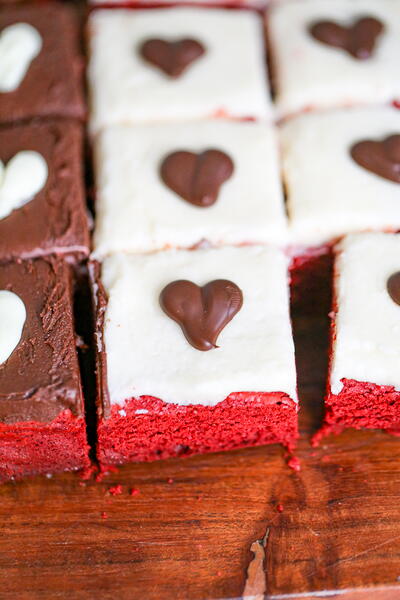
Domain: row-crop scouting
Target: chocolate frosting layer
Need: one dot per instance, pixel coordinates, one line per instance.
(202, 312)
(55, 220)
(53, 84)
(379, 157)
(358, 39)
(173, 58)
(197, 178)
(41, 377)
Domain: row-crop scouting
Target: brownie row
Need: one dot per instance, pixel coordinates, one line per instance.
(44, 239)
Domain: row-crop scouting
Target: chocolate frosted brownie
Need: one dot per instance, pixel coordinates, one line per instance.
(41, 67)
(42, 198)
(42, 425)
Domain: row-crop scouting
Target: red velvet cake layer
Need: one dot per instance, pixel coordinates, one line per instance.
(32, 448)
(361, 405)
(148, 429)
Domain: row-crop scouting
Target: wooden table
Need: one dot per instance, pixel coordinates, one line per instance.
(188, 534)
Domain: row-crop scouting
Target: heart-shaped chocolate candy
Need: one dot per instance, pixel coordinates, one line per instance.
(197, 178)
(202, 312)
(380, 157)
(173, 58)
(358, 40)
(393, 287)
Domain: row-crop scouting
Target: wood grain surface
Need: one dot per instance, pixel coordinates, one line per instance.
(205, 528)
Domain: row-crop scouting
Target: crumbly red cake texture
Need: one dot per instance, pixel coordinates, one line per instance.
(147, 429)
(361, 405)
(311, 278)
(31, 448)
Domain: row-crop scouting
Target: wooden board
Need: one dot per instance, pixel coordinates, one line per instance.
(187, 535)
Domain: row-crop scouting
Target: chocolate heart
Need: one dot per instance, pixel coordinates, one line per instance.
(196, 177)
(382, 158)
(202, 312)
(171, 57)
(358, 40)
(393, 287)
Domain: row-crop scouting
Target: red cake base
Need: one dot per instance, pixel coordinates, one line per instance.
(361, 405)
(163, 430)
(311, 279)
(32, 448)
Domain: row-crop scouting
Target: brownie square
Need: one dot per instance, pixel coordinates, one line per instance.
(216, 76)
(339, 169)
(55, 219)
(52, 85)
(160, 395)
(139, 201)
(328, 54)
(42, 426)
(364, 383)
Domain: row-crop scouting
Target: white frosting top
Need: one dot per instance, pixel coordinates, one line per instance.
(137, 212)
(20, 180)
(147, 353)
(230, 78)
(19, 45)
(329, 194)
(368, 321)
(311, 74)
(12, 321)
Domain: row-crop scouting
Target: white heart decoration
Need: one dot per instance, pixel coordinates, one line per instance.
(20, 180)
(19, 45)
(12, 321)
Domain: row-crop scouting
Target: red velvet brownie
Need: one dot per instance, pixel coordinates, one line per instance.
(184, 369)
(177, 63)
(364, 383)
(336, 53)
(40, 64)
(337, 169)
(42, 424)
(42, 199)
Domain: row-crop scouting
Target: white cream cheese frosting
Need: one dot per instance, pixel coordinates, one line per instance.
(328, 193)
(311, 75)
(366, 347)
(147, 353)
(137, 212)
(230, 78)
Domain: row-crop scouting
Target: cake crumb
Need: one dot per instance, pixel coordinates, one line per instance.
(115, 490)
(104, 471)
(170, 480)
(294, 463)
(104, 515)
(279, 507)
(134, 492)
